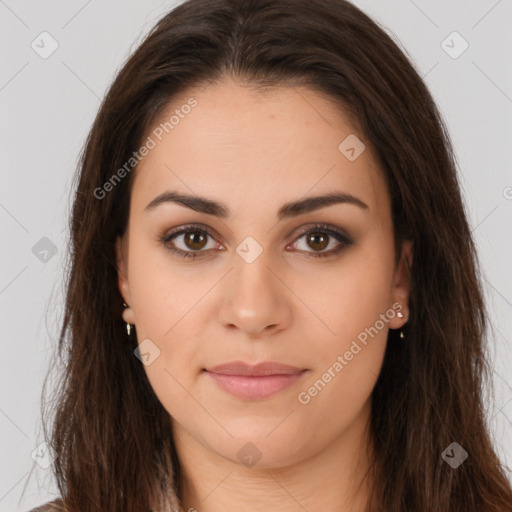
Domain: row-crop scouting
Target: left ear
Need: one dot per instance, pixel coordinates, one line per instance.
(401, 287)
(122, 281)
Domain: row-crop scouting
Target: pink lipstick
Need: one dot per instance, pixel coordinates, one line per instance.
(254, 382)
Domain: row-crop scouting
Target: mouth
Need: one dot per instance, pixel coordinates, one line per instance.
(254, 382)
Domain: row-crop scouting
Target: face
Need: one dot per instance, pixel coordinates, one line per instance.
(312, 286)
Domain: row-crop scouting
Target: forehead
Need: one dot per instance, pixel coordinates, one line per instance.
(240, 145)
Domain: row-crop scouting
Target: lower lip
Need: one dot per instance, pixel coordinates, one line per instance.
(254, 388)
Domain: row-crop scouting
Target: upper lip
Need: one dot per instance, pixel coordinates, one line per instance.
(265, 368)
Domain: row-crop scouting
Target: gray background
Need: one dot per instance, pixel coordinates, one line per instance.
(47, 106)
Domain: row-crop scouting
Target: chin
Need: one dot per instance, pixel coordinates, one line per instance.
(261, 450)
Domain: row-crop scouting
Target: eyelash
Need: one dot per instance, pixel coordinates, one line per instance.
(322, 228)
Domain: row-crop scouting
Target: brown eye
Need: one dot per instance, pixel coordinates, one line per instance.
(317, 241)
(189, 241)
(195, 240)
(319, 237)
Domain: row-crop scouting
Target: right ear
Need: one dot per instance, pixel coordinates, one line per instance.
(122, 269)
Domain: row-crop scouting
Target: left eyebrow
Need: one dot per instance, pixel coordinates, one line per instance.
(288, 210)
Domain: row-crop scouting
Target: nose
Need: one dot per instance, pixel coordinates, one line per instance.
(254, 298)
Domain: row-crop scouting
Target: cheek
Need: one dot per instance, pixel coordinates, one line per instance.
(358, 312)
(353, 295)
(162, 292)
(166, 303)
(345, 374)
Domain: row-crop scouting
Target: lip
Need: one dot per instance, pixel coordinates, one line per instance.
(256, 370)
(254, 382)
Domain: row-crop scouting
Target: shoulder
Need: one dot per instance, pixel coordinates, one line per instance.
(51, 506)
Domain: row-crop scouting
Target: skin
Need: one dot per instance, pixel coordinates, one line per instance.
(254, 152)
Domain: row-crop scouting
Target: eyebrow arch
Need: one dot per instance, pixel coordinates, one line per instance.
(288, 210)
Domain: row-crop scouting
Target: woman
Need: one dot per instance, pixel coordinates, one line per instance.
(273, 297)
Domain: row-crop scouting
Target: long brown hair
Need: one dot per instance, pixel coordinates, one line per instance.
(110, 434)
